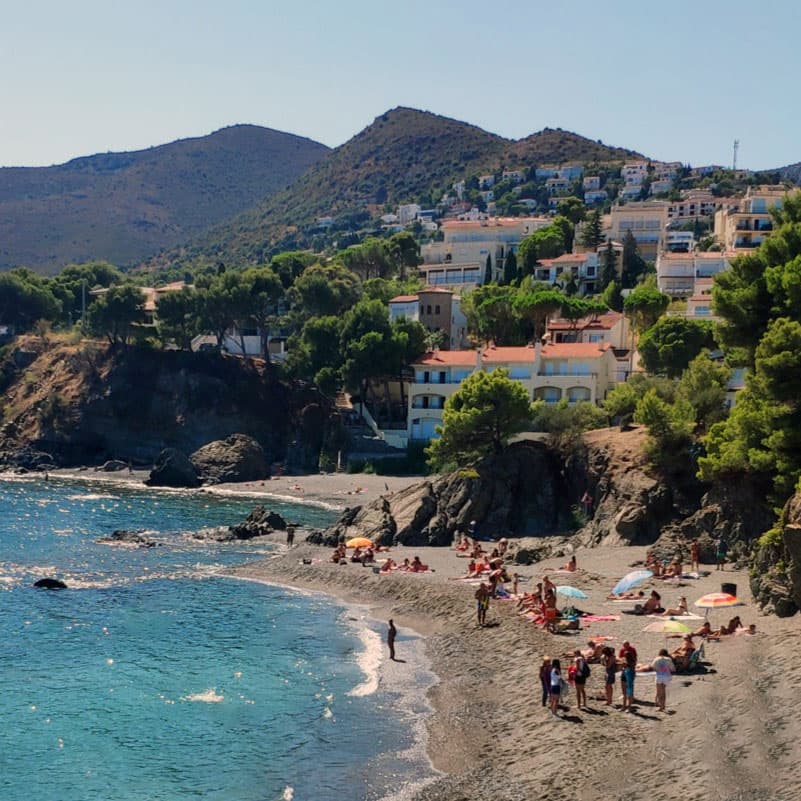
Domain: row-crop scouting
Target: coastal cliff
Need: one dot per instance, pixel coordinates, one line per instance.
(83, 404)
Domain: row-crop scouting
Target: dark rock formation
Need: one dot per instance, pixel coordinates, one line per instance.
(125, 537)
(50, 584)
(515, 493)
(235, 458)
(258, 523)
(776, 573)
(27, 458)
(173, 469)
(112, 466)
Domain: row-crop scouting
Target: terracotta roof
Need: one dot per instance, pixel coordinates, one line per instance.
(604, 322)
(404, 299)
(445, 358)
(574, 350)
(493, 355)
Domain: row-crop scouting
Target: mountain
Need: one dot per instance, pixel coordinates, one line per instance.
(404, 155)
(124, 207)
(790, 172)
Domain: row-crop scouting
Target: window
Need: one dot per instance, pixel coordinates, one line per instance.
(428, 309)
(436, 309)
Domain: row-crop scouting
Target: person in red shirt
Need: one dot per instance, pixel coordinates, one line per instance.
(623, 656)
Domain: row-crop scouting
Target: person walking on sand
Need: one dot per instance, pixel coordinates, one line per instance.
(664, 667)
(482, 603)
(392, 632)
(290, 536)
(545, 679)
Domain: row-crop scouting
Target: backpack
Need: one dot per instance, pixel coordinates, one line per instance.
(585, 671)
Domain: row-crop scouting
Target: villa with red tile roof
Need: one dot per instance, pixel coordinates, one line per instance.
(576, 371)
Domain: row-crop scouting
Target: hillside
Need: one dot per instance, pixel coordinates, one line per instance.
(402, 156)
(124, 207)
(790, 172)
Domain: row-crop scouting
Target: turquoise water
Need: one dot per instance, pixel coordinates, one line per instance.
(155, 678)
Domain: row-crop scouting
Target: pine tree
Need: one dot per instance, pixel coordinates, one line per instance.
(632, 264)
(510, 268)
(488, 270)
(609, 272)
(592, 236)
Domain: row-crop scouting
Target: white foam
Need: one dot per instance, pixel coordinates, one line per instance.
(91, 496)
(288, 794)
(369, 659)
(209, 696)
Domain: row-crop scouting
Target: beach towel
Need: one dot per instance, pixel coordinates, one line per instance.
(691, 616)
(599, 618)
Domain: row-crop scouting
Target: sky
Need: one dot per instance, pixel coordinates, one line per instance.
(676, 81)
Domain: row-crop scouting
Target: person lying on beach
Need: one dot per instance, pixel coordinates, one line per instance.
(627, 596)
(356, 556)
(592, 653)
(389, 564)
(704, 631)
(464, 544)
(681, 609)
(531, 600)
(732, 626)
(751, 630)
(406, 566)
(368, 556)
(681, 656)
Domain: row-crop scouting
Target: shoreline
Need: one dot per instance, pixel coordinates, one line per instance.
(487, 730)
(331, 491)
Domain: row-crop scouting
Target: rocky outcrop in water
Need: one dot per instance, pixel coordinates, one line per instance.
(235, 458)
(127, 538)
(258, 523)
(50, 584)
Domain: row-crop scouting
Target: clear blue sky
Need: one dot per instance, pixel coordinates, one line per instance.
(677, 80)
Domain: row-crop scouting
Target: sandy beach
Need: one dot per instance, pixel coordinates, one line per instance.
(729, 734)
(334, 491)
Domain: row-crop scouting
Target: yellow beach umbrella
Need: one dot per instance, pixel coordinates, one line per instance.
(359, 542)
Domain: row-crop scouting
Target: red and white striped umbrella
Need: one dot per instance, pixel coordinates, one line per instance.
(717, 600)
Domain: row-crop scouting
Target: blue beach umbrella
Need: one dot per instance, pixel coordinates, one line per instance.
(571, 592)
(631, 580)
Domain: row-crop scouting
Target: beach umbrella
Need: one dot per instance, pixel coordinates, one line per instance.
(359, 542)
(717, 600)
(571, 592)
(631, 580)
(668, 626)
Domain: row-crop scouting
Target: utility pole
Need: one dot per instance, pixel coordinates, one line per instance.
(734, 155)
(83, 305)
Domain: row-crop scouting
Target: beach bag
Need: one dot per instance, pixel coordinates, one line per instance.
(585, 671)
(564, 690)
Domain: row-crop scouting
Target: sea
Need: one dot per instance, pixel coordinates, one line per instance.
(154, 677)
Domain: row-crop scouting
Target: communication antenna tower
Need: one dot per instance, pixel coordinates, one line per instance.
(734, 155)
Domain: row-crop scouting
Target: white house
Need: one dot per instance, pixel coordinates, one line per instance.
(593, 196)
(575, 371)
(591, 182)
(407, 213)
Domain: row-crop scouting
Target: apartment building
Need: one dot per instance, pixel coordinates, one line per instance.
(680, 275)
(746, 226)
(645, 220)
(583, 268)
(575, 371)
(459, 261)
(610, 327)
(435, 308)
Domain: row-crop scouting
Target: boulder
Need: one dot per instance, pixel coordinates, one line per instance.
(50, 584)
(173, 469)
(112, 466)
(258, 523)
(235, 458)
(125, 537)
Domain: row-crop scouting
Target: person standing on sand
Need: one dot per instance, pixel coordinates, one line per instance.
(290, 536)
(580, 678)
(555, 687)
(694, 554)
(482, 603)
(664, 667)
(545, 679)
(721, 551)
(392, 632)
(629, 674)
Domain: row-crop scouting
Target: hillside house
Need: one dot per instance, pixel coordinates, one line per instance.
(435, 308)
(583, 268)
(576, 371)
(746, 226)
